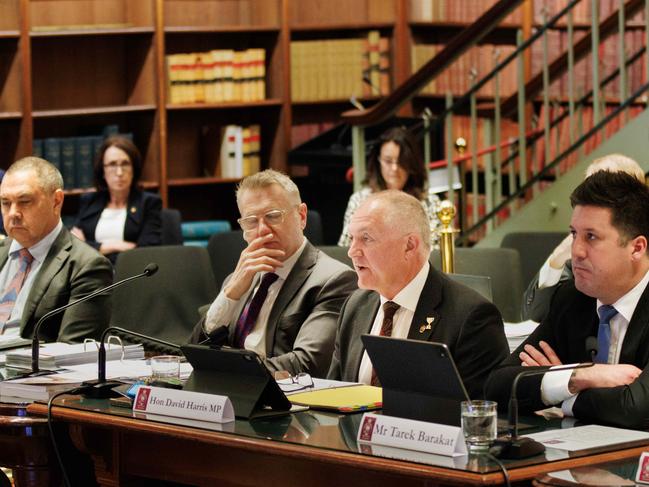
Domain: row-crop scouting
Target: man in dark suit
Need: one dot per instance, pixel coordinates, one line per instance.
(283, 298)
(390, 249)
(42, 266)
(608, 300)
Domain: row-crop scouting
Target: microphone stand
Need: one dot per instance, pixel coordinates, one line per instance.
(516, 447)
(149, 270)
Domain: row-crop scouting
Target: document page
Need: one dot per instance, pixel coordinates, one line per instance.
(585, 437)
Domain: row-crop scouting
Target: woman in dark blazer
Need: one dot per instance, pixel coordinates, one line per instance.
(119, 216)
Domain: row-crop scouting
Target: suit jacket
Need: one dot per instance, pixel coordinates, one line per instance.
(71, 270)
(302, 323)
(536, 301)
(467, 323)
(143, 223)
(571, 320)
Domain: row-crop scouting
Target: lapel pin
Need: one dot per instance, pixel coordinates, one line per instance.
(427, 326)
(133, 209)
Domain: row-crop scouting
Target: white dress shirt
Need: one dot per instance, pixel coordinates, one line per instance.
(111, 225)
(39, 251)
(554, 386)
(407, 299)
(223, 308)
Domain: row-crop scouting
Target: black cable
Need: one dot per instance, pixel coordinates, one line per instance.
(502, 467)
(73, 390)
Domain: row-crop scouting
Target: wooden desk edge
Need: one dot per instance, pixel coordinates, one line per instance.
(324, 455)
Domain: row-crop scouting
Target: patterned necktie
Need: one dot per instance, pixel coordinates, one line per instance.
(10, 293)
(250, 313)
(606, 312)
(389, 309)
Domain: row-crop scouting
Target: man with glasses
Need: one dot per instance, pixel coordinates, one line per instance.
(42, 266)
(283, 298)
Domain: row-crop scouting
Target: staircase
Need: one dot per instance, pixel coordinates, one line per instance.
(526, 152)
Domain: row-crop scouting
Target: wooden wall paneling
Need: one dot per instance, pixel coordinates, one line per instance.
(222, 13)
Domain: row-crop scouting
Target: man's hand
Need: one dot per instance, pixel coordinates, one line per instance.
(254, 258)
(561, 253)
(603, 375)
(535, 357)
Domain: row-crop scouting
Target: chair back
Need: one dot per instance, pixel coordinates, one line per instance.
(503, 266)
(171, 229)
(313, 230)
(224, 249)
(166, 304)
(534, 248)
(338, 253)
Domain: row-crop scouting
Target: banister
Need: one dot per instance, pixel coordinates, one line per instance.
(454, 49)
(607, 27)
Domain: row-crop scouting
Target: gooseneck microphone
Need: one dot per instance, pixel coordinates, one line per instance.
(592, 347)
(149, 270)
(516, 447)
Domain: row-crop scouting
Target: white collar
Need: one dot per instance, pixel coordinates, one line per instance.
(626, 304)
(408, 297)
(39, 250)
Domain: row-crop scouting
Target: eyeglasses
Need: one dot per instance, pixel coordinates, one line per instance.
(388, 162)
(295, 383)
(272, 218)
(114, 166)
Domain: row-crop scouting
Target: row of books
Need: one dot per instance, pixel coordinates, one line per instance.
(581, 13)
(467, 11)
(336, 69)
(464, 11)
(456, 78)
(232, 151)
(73, 156)
(609, 61)
(221, 75)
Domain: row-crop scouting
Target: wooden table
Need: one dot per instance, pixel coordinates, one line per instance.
(25, 447)
(307, 448)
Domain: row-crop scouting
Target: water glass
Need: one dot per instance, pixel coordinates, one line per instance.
(479, 424)
(165, 367)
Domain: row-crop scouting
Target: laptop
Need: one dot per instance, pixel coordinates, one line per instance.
(419, 379)
(238, 374)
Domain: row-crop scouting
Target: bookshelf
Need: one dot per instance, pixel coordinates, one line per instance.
(70, 67)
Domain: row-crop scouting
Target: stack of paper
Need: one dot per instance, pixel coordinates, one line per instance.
(53, 356)
(13, 341)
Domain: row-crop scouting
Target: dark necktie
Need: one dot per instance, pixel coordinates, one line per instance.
(389, 309)
(10, 294)
(248, 318)
(606, 312)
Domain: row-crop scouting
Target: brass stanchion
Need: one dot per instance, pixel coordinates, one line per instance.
(446, 213)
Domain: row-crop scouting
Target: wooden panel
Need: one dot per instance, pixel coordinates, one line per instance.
(52, 15)
(336, 12)
(94, 72)
(9, 15)
(10, 93)
(9, 137)
(219, 13)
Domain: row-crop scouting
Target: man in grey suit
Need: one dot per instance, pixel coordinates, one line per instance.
(42, 266)
(390, 250)
(283, 298)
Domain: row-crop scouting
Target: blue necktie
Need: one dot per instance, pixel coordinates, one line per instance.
(606, 312)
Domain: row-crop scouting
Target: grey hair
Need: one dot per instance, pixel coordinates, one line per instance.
(405, 213)
(49, 177)
(267, 178)
(616, 163)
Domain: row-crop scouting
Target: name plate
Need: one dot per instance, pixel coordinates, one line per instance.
(440, 439)
(183, 404)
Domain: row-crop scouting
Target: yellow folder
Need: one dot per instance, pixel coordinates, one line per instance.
(348, 399)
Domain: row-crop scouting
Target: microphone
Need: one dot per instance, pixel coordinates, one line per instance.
(592, 347)
(515, 447)
(149, 270)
